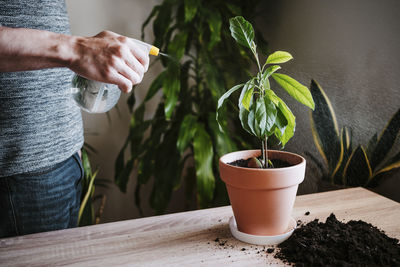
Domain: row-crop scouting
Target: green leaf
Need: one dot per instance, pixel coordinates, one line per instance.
(171, 88)
(214, 80)
(248, 90)
(269, 71)
(295, 89)
(203, 158)
(190, 9)
(222, 99)
(271, 113)
(214, 23)
(390, 167)
(386, 140)
(244, 119)
(155, 86)
(186, 132)
(357, 171)
(242, 31)
(223, 143)
(279, 57)
(162, 23)
(176, 48)
(324, 127)
(260, 118)
(336, 177)
(291, 123)
(246, 87)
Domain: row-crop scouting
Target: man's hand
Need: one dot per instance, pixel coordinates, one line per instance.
(110, 58)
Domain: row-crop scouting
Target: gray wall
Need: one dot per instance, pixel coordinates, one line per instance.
(352, 49)
(349, 47)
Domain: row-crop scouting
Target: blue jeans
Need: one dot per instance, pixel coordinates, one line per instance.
(43, 200)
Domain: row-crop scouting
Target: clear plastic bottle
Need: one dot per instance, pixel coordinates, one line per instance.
(97, 97)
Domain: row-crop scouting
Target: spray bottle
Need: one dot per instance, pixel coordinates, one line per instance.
(97, 97)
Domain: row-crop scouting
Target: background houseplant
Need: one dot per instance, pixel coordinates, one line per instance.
(183, 131)
(87, 214)
(343, 162)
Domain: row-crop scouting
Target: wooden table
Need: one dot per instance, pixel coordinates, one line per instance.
(199, 237)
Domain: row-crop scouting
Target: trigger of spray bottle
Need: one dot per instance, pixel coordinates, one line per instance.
(97, 97)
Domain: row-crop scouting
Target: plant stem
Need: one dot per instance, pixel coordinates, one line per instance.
(265, 153)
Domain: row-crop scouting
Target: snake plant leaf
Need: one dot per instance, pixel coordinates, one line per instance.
(171, 88)
(203, 158)
(372, 144)
(242, 31)
(295, 89)
(223, 143)
(214, 23)
(222, 100)
(186, 132)
(336, 176)
(176, 48)
(386, 140)
(390, 167)
(155, 86)
(279, 57)
(358, 170)
(324, 127)
(191, 9)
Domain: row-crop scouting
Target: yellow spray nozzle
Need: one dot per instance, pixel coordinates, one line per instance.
(154, 50)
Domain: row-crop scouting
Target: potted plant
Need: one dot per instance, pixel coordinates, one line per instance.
(262, 185)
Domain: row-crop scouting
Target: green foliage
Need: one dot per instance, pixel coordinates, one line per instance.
(183, 130)
(261, 112)
(344, 164)
(87, 215)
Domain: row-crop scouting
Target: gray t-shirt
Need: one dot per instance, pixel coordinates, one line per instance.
(39, 123)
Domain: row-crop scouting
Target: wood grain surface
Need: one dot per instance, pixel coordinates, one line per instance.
(187, 238)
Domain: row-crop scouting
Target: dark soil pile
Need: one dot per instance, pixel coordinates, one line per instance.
(334, 243)
(244, 162)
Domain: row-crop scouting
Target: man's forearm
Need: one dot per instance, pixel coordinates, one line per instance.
(28, 49)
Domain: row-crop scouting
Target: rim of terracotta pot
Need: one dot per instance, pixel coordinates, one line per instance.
(256, 179)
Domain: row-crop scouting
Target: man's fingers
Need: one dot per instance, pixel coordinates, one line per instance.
(124, 84)
(139, 54)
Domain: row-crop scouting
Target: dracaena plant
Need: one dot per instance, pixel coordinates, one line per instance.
(181, 144)
(261, 112)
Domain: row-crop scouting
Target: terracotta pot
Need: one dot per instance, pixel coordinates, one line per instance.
(262, 199)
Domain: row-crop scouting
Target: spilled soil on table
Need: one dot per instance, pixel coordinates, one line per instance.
(334, 243)
(329, 243)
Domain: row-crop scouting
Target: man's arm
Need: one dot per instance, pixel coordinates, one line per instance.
(106, 57)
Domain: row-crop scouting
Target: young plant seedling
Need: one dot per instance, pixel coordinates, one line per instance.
(261, 112)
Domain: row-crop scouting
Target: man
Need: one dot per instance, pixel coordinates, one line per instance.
(40, 126)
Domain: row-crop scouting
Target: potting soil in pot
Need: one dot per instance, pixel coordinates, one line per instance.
(277, 163)
(334, 243)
